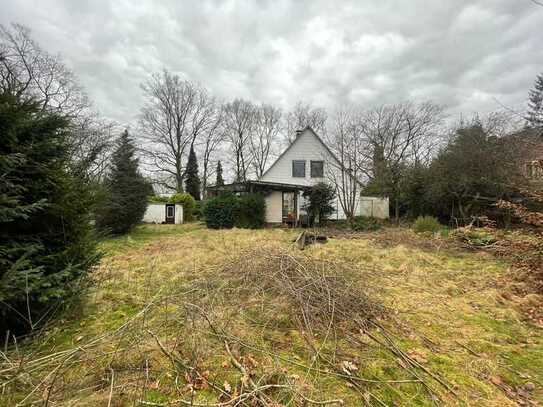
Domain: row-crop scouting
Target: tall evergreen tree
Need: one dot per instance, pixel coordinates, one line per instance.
(192, 183)
(219, 181)
(535, 103)
(126, 190)
(46, 239)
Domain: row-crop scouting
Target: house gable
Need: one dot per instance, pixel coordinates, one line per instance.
(307, 147)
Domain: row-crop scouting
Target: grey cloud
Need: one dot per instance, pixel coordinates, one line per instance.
(463, 54)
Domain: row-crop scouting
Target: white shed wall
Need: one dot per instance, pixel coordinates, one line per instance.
(178, 214)
(155, 213)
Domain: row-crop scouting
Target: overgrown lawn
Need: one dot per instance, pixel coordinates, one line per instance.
(179, 313)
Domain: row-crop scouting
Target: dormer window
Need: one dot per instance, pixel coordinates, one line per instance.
(317, 169)
(298, 168)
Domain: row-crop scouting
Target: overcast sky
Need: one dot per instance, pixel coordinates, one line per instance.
(464, 54)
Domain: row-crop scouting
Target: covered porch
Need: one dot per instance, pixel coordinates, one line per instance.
(284, 202)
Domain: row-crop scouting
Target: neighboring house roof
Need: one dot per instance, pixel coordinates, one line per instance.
(320, 141)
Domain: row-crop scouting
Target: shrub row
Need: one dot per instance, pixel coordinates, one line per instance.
(226, 211)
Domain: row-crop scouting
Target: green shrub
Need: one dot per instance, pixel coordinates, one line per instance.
(250, 211)
(188, 202)
(365, 224)
(424, 224)
(158, 199)
(199, 210)
(219, 212)
(319, 202)
(226, 211)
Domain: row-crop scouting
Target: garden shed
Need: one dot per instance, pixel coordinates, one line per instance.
(163, 213)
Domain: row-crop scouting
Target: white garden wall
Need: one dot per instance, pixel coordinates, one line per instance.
(374, 207)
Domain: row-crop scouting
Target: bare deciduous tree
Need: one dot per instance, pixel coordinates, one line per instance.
(210, 142)
(395, 135)
(176, 112)
(345, 141)
(27, 71)
(239, 118)
(266, 130)
(91, 145)
(303, 115)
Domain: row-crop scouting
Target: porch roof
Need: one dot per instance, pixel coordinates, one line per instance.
(253, 186)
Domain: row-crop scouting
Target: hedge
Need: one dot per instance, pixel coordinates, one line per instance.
(226, 211)
(219, 212)
(250, 211)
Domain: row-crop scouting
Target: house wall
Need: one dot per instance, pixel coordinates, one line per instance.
(274, 207)
(306, 147)
(155, 213)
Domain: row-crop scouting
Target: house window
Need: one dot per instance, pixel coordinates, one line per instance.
(298, 168)
(317, 169)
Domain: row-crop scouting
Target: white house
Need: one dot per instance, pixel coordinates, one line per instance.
(304, 163)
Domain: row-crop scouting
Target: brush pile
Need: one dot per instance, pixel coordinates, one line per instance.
(321, 292)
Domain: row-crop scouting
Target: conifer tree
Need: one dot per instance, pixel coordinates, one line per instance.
(535, 103)
(219, 181)
(192, 183)
(126, 190)
(46, 239)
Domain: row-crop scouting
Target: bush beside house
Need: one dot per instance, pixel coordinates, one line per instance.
(219, 212)
(320, 198)
(226, 211)
(250, 211)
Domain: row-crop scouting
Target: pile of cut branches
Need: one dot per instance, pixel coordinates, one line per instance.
(320, 291)
(331, 305)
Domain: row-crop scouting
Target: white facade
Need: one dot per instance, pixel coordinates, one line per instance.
(156, 213)
(307, 147)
